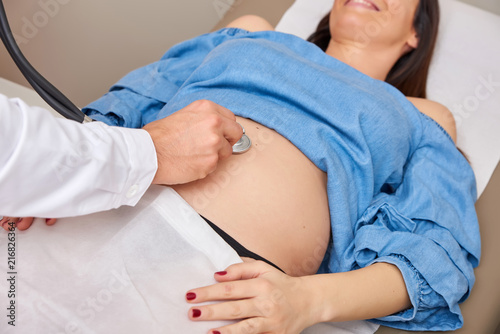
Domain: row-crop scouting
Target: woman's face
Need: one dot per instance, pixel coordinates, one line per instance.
(375, 23)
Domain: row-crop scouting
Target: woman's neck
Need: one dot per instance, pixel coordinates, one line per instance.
(364, 58)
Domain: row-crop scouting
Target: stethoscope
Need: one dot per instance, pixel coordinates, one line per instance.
(54, 98)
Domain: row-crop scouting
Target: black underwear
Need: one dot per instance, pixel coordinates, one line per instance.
(239, 248)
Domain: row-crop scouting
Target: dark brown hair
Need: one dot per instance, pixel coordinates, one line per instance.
(409, 73)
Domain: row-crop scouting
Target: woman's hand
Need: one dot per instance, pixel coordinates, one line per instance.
(22, 223)
(262, 297)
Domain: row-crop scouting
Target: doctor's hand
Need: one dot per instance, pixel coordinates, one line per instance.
(262, 298)
(191, 142)
(21, 223)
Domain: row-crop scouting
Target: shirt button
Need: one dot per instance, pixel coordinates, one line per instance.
(132, 191)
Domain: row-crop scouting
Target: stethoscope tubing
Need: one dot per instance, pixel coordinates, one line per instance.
(54, 98)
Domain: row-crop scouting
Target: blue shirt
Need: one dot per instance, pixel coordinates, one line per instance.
(399, 191)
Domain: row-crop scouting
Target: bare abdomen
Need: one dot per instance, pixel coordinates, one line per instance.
(272, 200)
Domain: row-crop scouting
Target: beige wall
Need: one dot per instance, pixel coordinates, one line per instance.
(489, 5)
(83, 46)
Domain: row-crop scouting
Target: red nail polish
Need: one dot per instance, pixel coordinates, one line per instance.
(196, 313)
(221, 273)
(215, 332)
(190, 296)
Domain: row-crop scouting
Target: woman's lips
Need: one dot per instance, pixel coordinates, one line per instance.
(362, 3)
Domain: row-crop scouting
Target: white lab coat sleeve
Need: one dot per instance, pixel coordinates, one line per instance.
(52, 167)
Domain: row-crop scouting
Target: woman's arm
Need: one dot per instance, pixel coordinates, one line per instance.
(372, 292)
(437, 112)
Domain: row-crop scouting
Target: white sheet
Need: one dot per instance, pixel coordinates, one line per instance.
(465, 74)
(121, 271)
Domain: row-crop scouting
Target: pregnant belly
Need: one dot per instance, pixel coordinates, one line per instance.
(271, 199)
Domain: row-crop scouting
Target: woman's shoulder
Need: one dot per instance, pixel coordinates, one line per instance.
(438, 112)
(251, 23)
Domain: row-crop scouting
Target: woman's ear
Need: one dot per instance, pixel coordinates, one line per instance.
(412, 41)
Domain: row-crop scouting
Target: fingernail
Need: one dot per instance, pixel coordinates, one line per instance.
(221, 273)
(196, 313)
(215, 332)
(190, 296)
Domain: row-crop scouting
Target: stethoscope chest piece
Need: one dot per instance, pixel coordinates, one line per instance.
(243, 144)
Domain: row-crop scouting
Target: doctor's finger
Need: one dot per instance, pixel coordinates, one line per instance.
(223, 111)
(226, 150)
(232, 131)
(24, 223)
(50, 221)
(8, 222)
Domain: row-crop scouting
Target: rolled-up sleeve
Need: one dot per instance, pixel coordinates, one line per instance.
(428, 228)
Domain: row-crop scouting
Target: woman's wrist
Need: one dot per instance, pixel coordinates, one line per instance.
(372, 292)
(319, 298)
